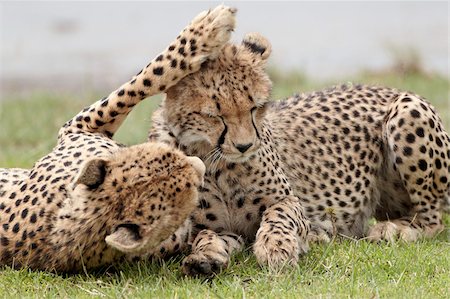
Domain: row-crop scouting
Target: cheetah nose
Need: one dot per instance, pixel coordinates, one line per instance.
(243, 147)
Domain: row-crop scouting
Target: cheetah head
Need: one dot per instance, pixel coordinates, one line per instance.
(219, 110)
(144, 193)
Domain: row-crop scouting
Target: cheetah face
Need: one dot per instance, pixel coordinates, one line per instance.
(219, 110)
(146, 192)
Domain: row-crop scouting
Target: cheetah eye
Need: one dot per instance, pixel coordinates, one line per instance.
(209, 115)
(259, 105)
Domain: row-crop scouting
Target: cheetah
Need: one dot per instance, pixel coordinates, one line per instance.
(283, 174)
(92, 201)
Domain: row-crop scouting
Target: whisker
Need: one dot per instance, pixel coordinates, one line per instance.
(211, 154)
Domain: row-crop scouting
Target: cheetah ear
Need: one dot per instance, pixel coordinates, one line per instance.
(257, 44)
(124, 240)
(92, 173)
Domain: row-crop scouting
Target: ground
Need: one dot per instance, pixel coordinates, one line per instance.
(345, 268)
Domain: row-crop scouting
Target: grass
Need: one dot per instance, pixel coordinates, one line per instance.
(342, 269)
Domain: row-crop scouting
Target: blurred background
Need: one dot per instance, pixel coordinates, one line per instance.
(56, 57)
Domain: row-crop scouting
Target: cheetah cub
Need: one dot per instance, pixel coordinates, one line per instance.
(280, 174)
(92, 201)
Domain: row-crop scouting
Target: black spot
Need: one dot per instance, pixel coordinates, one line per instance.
(121, 92)
(410, 138)
(182, 65)
(158, 71)
(438, 163)
(406, 100)
(415, 113)
(147, 82)
(16, 228)
(422, 164)
(241, 202)
(257, 200)
(142, 94)
(420, 132)
(407, 151)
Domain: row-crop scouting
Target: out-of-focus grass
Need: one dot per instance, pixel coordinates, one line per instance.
(342, 269)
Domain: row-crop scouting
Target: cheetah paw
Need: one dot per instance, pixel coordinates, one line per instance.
(199, 264)
(278, 251)
(212, 29)
(319, 234)
(391, 231)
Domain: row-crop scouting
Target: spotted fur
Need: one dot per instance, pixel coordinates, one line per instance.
(92, 201)
(281, 174)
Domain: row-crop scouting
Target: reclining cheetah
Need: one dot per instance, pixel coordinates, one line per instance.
(280, 174)
(91, 201)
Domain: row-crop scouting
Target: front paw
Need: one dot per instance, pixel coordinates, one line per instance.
(391, 231)
(197, 264)
(210, 31)
(278, 250)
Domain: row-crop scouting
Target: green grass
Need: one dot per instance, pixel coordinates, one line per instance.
(342, 269)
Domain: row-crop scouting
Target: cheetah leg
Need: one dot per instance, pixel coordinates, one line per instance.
(418, 148)
(211, 252)
(282, 236)
(200, 40)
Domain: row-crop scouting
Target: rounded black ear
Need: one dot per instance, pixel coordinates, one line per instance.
(257, 44)
(92, 173)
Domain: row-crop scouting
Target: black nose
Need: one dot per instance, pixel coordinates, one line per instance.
(243, 147)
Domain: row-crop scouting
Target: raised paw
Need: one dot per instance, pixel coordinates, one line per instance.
(278, 250)
(393, 230)
(208, 33)
(199, 264)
